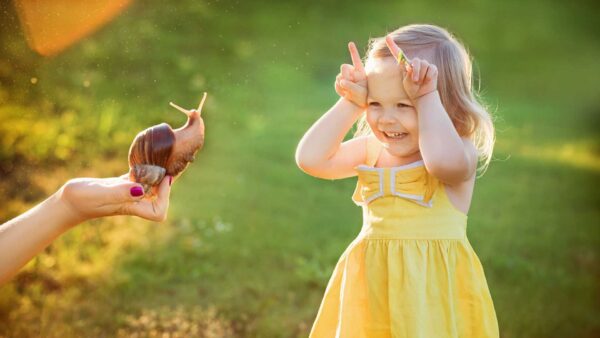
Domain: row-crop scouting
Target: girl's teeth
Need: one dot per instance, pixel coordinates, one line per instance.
(394, 134)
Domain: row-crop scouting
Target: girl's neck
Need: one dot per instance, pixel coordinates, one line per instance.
(387, 160)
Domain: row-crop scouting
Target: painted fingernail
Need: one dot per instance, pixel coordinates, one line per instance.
(136, 191)
(170, 180)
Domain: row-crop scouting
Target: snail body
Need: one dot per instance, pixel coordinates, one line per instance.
(147, 175)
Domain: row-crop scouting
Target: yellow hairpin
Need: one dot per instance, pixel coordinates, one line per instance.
(401, 57)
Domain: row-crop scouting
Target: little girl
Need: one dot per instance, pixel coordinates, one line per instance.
(411, 272)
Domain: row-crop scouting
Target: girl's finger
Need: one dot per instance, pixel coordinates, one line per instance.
(416, 66)
(356, 61)
(432, 72)
(339, 78)
(338, 88)
(346, 71)
(424, 70)
(351, 86)
(359, 75)
(354, 92)
(406, 71)
(396, 50)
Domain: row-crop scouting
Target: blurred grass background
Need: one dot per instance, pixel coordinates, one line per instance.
(251, 241)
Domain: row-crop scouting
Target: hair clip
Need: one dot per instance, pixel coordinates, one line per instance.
(401, 58)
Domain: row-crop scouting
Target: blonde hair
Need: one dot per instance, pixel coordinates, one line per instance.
(463, 104)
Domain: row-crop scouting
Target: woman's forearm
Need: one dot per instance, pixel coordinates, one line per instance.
(323, 139)
(26, 235)
(76, 201)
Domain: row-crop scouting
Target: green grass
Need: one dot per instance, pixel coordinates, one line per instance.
(250, 240)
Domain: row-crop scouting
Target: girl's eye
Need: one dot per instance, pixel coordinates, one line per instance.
(402, 105)
(374, 104)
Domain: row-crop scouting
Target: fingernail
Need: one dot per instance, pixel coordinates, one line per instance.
(170, 180)
(136, 191)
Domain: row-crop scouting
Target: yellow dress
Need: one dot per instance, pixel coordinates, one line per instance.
(411, 272)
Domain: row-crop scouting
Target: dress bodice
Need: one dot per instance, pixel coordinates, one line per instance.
(405, 201)
(410, 181)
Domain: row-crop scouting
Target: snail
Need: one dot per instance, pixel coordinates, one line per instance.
(161, 150)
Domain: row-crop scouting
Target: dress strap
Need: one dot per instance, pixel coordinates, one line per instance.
(373, 150)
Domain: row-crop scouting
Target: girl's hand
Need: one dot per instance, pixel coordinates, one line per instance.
(90, 198)
(419, 76)
(351, 82)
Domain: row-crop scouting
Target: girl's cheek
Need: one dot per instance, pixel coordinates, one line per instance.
(411, 122)
(371, 118)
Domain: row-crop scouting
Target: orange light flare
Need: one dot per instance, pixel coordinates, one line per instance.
(51, 26)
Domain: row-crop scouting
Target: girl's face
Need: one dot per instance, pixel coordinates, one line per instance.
(390, 113)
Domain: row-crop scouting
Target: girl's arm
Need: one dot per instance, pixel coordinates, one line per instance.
(78, 200)
(321, 152)
(446, 155)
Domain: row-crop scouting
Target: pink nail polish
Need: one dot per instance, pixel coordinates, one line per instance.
(136, 191)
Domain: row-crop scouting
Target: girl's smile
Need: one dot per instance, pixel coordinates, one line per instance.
(393, 136)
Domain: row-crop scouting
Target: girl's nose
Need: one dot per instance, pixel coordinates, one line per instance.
(387, 117)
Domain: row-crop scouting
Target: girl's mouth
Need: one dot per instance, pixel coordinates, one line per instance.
(394, 135)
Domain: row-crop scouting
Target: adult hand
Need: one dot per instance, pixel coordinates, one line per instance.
(351, 82)
(419, 77)
(78, 200)
(97, 197)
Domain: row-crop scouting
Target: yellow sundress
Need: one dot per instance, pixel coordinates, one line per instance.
(411, 272)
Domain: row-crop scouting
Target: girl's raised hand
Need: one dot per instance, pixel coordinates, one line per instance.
(419, 77)
(351, 82)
